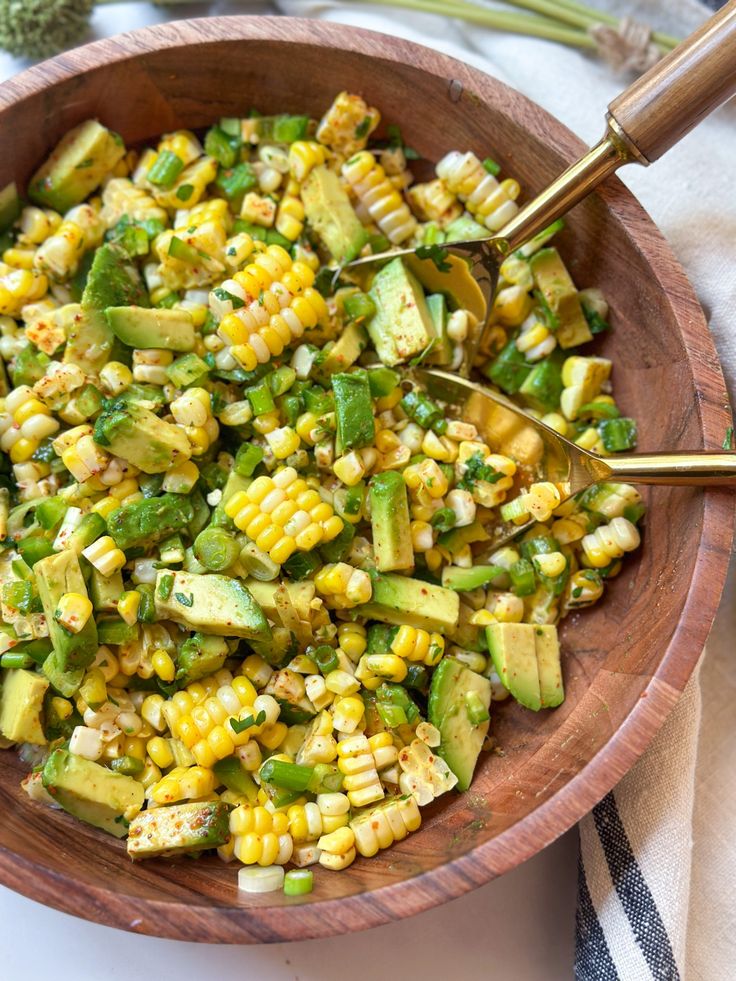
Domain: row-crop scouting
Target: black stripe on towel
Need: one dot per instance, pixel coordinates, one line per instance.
(592, 957)
(636, 899)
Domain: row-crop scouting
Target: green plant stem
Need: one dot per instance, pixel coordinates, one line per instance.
(541, 27)
(579, 15)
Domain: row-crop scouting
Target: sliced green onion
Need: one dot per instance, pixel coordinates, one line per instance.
(179, 249)
(325, 657)
(166, 168)
(514, 509)
(257, 879)
(618, 434)
(298, 882)
(521, 574)
(443, 520)
(215, 549)
(382, 381)
(258, 563)
(247, 459)
(13, 660)
(234, 182)
(260, 398)
(281, 380)
(290, 776)
(359, 306)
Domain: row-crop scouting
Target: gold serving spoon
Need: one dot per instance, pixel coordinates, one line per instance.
(642, 123)
(541, 453)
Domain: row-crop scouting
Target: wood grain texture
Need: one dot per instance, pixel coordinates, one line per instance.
(681, 89)
(626, 661)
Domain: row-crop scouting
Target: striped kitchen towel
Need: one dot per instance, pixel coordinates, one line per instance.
(635, 862)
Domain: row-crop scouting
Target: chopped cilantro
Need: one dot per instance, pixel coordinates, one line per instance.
(596, 323)
(165, 587)
(223, 295)
(184, 599)
(396, 142)
(238, 725)
(437, 254)
(184, 192)
(578, 591)
(478, 470)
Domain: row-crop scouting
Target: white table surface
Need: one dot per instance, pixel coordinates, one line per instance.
(520, 927)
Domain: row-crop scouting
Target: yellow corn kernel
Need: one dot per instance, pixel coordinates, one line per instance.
(160, 752)
(106, 506)
(73, 611)
(352, 639)
(128, 605)
(405, 640)
(273, 735)
(337, 842)
(348, 713)
(163, 665)
(387, 666)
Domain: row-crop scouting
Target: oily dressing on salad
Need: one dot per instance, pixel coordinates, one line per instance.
(242, 609)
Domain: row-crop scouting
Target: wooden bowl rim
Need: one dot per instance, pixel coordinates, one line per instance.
(233, 924)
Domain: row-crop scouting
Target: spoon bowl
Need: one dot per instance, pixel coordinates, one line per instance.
(541, 453)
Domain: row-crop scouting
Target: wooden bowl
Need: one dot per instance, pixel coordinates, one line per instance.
(626, 661)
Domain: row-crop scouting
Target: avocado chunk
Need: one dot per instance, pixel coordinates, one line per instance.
(527, 659)
(344, 352)
(63, 679)
(113, 281)
(10, 206)
(543, 386)
(454, 689)
(146, 327)
(465, 229)
(105, 591)
(390, 522)
(89, 340)
(514, 655)
(457, 538)
(442, 352)
(551, 688)
(463, 580)
(150, 520)
(21, 705)
(140, 437)
(301, 595)
(211, 604)
(329, 212)
(399, 600)
(199, 656)
(85, 155)
(179, 828)
(55, 575)
(556, 286)
(353, 410)
(402, 326)
(91, 792)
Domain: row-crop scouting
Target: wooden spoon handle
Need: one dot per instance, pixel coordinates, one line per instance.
(680, 90)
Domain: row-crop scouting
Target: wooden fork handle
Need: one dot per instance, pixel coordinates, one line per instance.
(680, 90)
